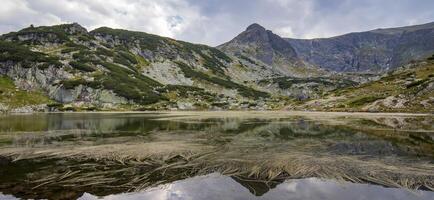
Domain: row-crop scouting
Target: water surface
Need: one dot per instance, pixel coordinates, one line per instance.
(243, 155)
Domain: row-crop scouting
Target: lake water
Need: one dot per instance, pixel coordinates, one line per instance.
(216, 155)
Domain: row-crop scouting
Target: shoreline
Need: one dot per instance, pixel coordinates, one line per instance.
(212, 112)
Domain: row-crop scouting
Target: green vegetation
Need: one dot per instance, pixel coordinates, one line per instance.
(72, 83)
(12, 52)
(72, 47)
(147, 41)
(153, 42)
(364, 100)
(125, 59)
(14, 98)
(408, 89)
(128, 84)
(83, 56)
(82, 66)
(247, 59)
(416, 83)
(104, 52)
(211, 62)
(53, 34)
(243, 90)
(287, 82)
(185, 91)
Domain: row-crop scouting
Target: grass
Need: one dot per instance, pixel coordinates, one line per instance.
(174, 92)
(288, 82)
(408, 84)
(211, 57)
(131, 85)
(364, 100)
(81, 66)
(72, 83)
(16, 53)
(247, 59)
(54, 34)
(147, 41)
(104, 52)
(14, 98)
(243, 90)
(211, 61)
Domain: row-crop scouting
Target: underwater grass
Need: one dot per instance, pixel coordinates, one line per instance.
(103, 167)
(265, 150)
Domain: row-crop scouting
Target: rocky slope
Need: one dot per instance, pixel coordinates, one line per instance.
(65, 67)
(406, 89)
(108, 67)
(377, 51)
(258, 45)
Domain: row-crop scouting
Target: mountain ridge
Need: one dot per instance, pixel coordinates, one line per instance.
(377, 50)
(117, 69)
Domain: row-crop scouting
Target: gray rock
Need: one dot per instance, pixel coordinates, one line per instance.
(372, 51)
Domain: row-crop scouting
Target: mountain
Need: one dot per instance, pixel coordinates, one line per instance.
(256, 44)
(376, 51)
(105, 68)
(68, 68)
(407, 89)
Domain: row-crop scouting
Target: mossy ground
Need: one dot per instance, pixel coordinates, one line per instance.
(409, 83)
(15, 98)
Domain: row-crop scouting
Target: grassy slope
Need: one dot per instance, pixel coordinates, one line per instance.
(110, 66)
(14, 98)
(410, 84)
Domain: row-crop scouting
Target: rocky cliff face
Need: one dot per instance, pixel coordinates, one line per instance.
(256, 44)
(406, 89)
(65, 67)
(107, 67)
(262, 44)
(372, 51)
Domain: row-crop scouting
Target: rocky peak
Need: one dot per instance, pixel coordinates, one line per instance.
(265, 43)
(75, 28)
(255, 27)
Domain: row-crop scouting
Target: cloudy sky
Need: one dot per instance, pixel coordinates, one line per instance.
(213, 22)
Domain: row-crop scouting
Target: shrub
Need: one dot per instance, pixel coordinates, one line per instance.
(147, 41)
(104, 52)
(243, 90)
(130, 85)
(72, 83)
(17, 53)
(364, 100)
(416, 83)
(82, 66)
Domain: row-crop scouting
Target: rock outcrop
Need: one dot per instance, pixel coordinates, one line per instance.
(372, 51)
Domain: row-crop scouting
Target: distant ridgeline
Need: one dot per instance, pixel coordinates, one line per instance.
(65, 67)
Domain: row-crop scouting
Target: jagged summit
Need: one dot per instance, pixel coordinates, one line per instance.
(255, 26)
(262, 44)
(75, 28)
(375, 51)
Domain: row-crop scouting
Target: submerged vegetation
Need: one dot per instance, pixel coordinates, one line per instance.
(131, 153)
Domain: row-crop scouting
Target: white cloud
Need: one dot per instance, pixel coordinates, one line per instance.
(163, 17)
(284, 31)
(216, 21)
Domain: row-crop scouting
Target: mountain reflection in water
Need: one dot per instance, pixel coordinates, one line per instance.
(216, 186)
(268, 155)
